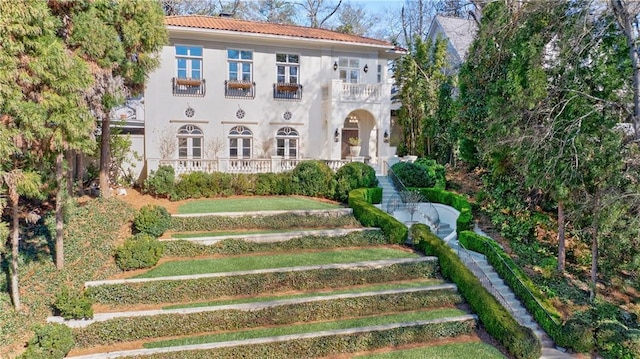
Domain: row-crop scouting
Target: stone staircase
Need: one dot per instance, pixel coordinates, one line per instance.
(489, 278)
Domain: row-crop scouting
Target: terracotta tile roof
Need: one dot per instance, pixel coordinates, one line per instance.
(230, 24)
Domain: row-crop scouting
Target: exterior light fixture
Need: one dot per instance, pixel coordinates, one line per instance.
(336, 136)
(335, 65)
(366, 68)
(385, 137)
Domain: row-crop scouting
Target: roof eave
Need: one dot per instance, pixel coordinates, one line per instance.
(203, 31)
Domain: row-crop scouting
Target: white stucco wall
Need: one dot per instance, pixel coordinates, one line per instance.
(315, 118)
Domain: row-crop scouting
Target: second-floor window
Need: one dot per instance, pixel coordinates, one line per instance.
(287, 68)
(189, 62)
(240, 63)
(349, 69)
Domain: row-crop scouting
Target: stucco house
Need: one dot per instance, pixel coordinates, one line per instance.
(241, 96)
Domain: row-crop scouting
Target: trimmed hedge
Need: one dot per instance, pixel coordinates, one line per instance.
(465, 220)
(535, 302)
(173, 291)
(352, 176)
(140, 251)
(152, 219)
(435, 171)
(73, 304)
(332, 344)
(313, 178)
(164, 325)
(183, 248)
(412, 175)
(520, 341)
(276, 221)
(371, 216)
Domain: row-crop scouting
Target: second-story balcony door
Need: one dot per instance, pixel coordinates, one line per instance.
(349, 70)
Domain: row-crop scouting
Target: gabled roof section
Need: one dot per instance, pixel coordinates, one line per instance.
(252, 27)
(460, 33)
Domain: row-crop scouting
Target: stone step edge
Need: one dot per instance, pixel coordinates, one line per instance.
(306, 212)
(101, 317)
(372, 264)
(282, 338)
(273, 237)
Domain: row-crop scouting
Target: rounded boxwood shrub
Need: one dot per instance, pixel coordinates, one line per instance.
(351, 176)
(313, 178)
(434, 170)
(161, 182)
(140, 251)
(71, 304)
(51, 341)
(152, 219)
(413, 175)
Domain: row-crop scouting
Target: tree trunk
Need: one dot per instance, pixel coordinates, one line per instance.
(105, 158)
(594, 248)
(561, 238)
(15, 238)
(80, 173)
(70, 156)
(59, 211)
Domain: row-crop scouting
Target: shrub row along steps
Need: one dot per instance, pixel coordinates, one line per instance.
(301, 212)
(364, 264)
(101, 317)
(272, 237)
(466, 323)
(479, 265)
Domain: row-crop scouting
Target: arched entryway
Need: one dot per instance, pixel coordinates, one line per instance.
(360, 125)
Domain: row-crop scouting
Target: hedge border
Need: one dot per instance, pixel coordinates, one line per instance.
(535, 302)
(520, 341)
(459, 202)
(360, 200)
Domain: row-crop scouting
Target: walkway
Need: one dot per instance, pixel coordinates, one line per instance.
(479, 266)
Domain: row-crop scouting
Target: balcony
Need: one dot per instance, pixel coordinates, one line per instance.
(336, 90)
(232, 165)
(287, 91)
(188, 87)
(240, 89)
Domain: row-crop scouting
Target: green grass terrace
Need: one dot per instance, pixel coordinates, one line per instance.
(257, 203)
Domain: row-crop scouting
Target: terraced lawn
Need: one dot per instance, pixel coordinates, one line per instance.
(255, 203)
(254, 262)
(367, 288)
(446, 351)
(310, 328)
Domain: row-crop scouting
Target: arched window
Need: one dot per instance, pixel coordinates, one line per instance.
(240, 142)
(190, 142)
(287, 140)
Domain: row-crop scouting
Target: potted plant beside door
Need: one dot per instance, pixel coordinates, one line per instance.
(354, 146)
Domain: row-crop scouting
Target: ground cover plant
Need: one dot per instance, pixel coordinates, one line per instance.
(255, 262)
(255, 203)
(183, 248)
(170, 291)
(358, 289)
(330, 344)
(313, 327)
(87, 258)
(276, 316)
(443, 351)
(276, 221)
